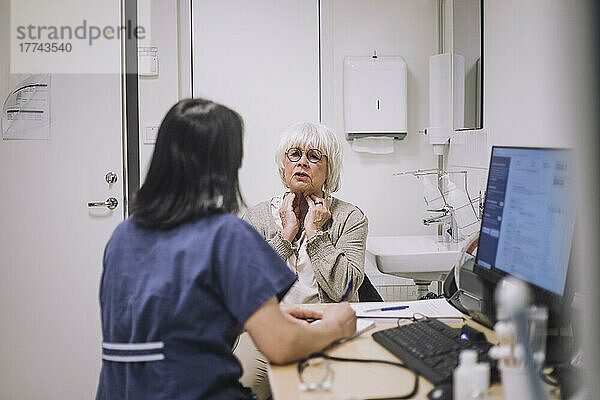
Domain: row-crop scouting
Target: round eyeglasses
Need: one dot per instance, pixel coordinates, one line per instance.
(312, 155)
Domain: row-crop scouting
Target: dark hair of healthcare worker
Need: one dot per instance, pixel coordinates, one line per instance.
(183, 276)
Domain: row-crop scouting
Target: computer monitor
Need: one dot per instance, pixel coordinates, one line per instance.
(528, 222)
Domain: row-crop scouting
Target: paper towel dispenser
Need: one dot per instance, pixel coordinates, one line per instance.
(375, 96)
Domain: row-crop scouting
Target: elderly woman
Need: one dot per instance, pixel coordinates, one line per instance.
(321, 238)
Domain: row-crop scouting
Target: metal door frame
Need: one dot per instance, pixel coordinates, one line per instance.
(130, 104)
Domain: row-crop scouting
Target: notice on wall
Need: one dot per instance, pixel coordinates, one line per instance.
(26, 110)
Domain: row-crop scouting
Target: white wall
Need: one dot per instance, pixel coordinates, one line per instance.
(394, 205)
(535, 80)
(261, 59)
(238, 66)
(240, 59)
(158, 94)
(530, 74)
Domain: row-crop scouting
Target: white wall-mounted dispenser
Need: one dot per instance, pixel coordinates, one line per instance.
(375, 97)
(446, 98)
(440, 101)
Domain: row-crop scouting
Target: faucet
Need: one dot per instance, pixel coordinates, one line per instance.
(481, 203)
(447, 220)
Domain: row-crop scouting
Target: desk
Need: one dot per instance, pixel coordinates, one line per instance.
(355, 381)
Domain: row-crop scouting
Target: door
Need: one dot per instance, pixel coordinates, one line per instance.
(260, 58)
(51, 242)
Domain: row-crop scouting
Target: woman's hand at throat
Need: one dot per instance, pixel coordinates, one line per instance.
(306, 211)
(289, 217)
(318, 214)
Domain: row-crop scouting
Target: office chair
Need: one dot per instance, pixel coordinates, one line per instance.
(368, 292)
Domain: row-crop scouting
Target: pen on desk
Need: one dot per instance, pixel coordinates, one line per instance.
(387, 309)
(347, 292)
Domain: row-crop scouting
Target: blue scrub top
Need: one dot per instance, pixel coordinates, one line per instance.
(173, 303)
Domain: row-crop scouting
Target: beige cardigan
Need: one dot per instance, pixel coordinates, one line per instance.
(337, 255)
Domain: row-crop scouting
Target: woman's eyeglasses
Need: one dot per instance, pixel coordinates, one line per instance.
(312, 155)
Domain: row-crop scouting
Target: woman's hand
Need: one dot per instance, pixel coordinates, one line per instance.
(317, 214)
(300, 315)
(284, 341)
(340, 317)
(289, 220)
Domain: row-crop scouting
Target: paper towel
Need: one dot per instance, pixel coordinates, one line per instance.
(373, 145)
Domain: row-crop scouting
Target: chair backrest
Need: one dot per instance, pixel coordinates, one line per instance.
(368, 292)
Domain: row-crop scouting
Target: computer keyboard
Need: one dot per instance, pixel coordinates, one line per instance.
(430, 348)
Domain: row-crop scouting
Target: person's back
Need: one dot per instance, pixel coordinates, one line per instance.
(163, 294)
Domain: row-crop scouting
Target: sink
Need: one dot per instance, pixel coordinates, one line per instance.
(421, 258)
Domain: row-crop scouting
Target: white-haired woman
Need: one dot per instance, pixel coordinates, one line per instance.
(321, 238)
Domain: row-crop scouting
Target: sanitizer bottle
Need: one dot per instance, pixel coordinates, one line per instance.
(463, 375)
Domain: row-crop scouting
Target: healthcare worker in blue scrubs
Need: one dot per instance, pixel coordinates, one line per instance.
(183, 276)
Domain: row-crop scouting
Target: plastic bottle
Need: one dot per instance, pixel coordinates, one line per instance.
(480, 381)
(463, 375)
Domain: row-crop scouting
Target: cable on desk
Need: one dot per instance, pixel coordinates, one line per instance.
(302, 364)
(325, 383)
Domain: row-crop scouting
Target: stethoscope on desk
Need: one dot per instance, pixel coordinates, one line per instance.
(326, 382)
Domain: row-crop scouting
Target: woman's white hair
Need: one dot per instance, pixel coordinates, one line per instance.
(308, 135)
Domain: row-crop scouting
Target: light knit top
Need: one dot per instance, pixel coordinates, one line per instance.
(337, 254)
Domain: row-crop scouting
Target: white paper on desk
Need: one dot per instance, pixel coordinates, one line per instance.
(435, 308)
(361, 326)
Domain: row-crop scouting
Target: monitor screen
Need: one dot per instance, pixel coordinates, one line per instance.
(528, 221)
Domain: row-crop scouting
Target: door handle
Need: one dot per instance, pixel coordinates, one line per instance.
(111, 203)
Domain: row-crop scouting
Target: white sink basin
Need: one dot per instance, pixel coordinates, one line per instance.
(416, 257)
